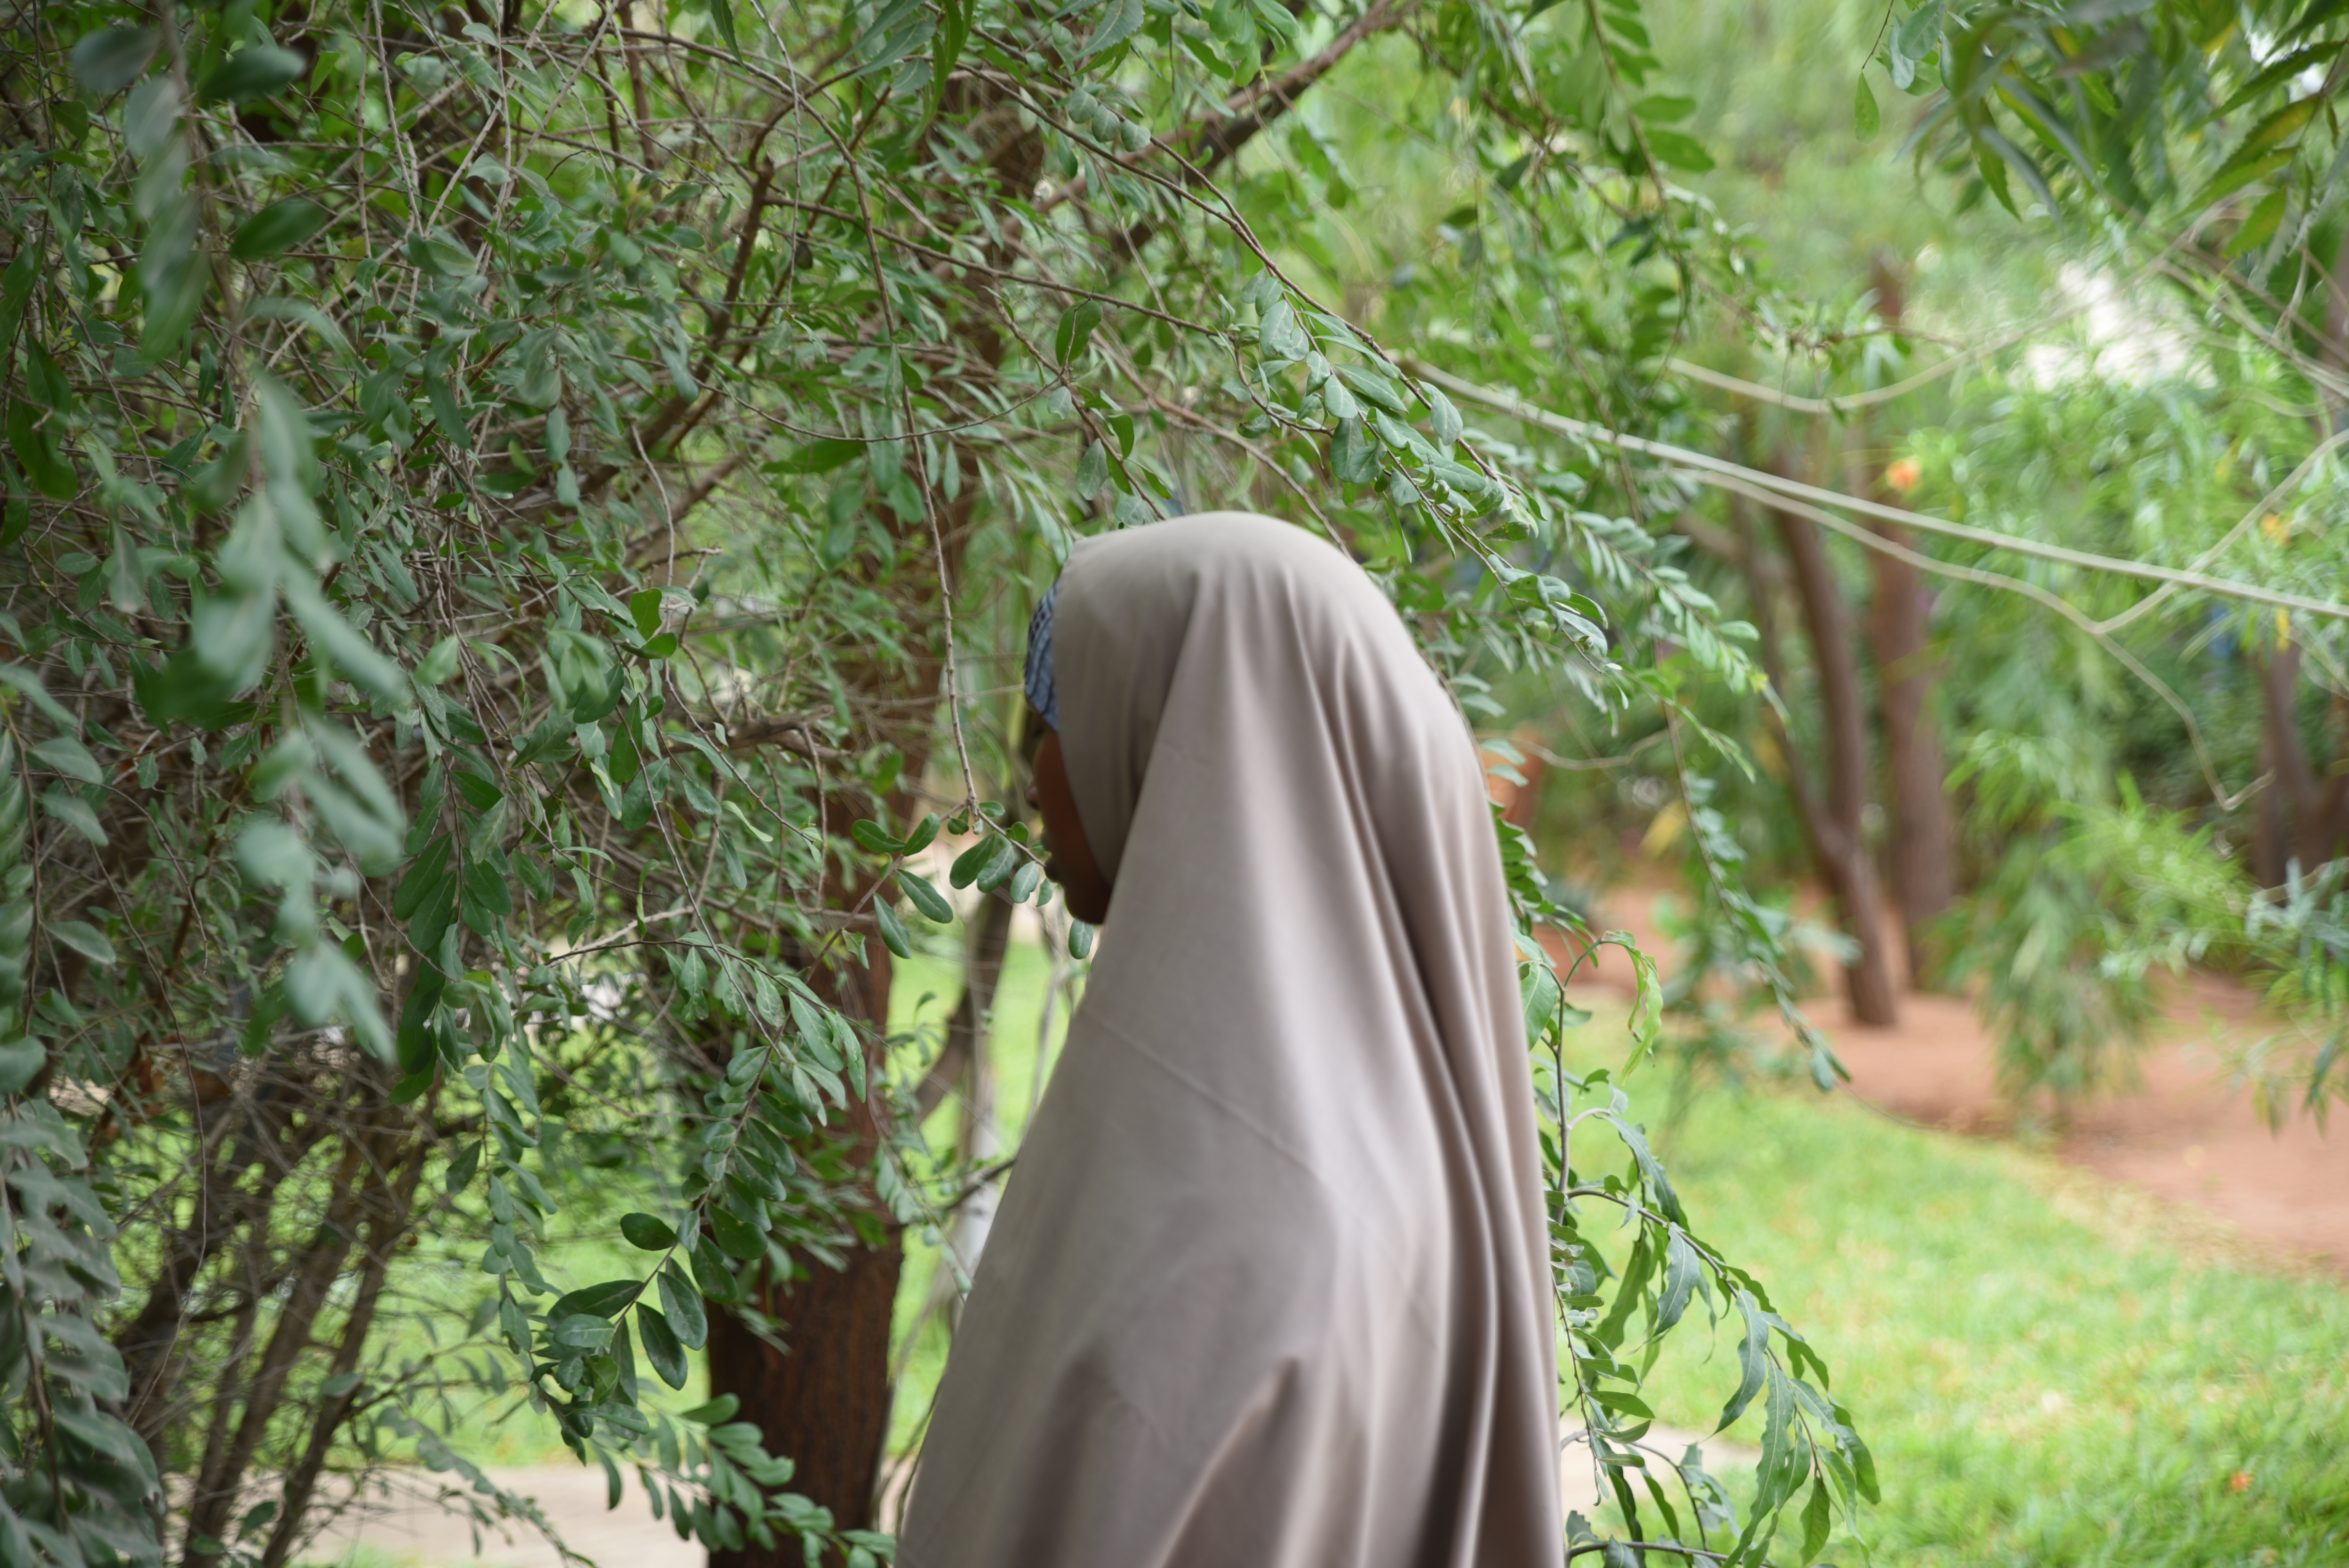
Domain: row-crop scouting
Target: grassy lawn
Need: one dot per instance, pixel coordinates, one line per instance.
(2050, 1370)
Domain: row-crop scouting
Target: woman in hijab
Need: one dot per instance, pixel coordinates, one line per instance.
(1268, 1286)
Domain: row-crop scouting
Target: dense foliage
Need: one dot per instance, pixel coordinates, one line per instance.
(500, 506)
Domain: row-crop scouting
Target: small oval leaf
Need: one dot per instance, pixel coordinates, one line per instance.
(253, 73)
(105, 63)
(647, 1231)
(280, 226)
(661, 1346)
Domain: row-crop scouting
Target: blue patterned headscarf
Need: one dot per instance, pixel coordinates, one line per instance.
(1040, 694)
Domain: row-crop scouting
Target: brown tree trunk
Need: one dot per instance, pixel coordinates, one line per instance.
(1922, 858)
(1920, 862)
(823, 1398)
(809, 1361)
(2300, 816)
(1835, 825)
(819, 1389)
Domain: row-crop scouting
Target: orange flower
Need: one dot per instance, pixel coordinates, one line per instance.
(2239, 1481)
(1905, 475)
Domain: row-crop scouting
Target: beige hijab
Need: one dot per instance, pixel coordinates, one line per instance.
(1268, 1288)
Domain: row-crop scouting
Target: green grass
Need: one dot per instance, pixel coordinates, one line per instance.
(2048, 1370)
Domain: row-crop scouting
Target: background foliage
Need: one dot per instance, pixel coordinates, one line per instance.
(518, 526)
(506, 512)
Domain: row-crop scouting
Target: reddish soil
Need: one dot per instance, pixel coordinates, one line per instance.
(2183, 1132)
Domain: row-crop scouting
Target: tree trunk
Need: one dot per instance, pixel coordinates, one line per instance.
(2301, 815)
(1921, 856)
(1836, 826)
(820, 1397)
(824, 1398)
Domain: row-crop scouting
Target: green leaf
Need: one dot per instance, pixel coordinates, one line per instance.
(1677, 149)
(823, 457)
(972, 860)
(1818, 1517)
(1442, 416)
(280, 226)
(608, 1299)
(580, 1331)
(20, 1062)
(353, 655)
(252, 73)
(873, 836)
(718, 1410)
(1120, 22)
(2267, 147)
(735, 1236)
(1093, 470)
(1681, 1271)
(441, 663)
(1753, 1358)
(1075, 329)
(36, 453)
(1081, 939)
(924, 832)
(83, 938)
(1281, 335)
(645, 611)
(2281, 70)
(1866, 119)
(107, 1435)
(74, 812)
(893, 930)
(446, 414)
(1375, 389)
(1353, 456)
(946, 45)
(66, 755)
(273, 854)
(661, 1346)
(34, 692)
(683, 1305)
(105, 63)
(425, 875)
(647, 1232)
(721, 16)
(2257, 228)
(926, 898)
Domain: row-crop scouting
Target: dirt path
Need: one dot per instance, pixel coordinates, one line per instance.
(2183, 1133)
(407, 1526)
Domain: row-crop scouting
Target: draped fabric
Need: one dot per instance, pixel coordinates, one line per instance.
(1268, 1284)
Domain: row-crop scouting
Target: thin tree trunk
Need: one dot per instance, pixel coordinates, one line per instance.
(1922, 858)
(387, 1225)
(1835, 824)
(991, 938)
(308, 1282)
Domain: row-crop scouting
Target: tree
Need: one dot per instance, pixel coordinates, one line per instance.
(497, 507)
